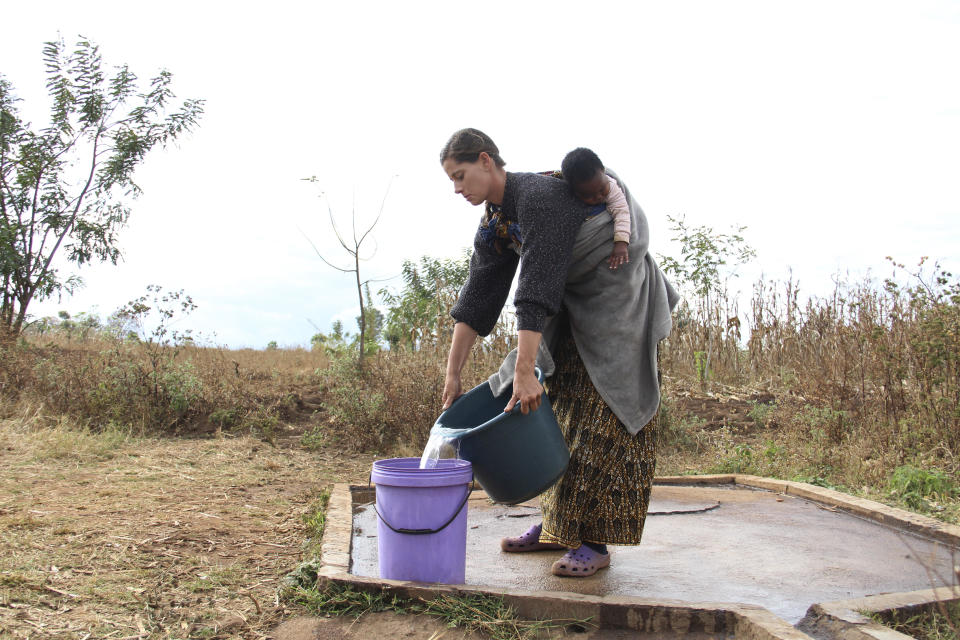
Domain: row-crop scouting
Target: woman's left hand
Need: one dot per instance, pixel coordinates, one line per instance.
(527, 390)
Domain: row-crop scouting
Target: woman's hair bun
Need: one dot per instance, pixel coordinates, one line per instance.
(466, 145)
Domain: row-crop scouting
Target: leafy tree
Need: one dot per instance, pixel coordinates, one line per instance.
(415, 314)
(703, 252)
(66, 188)
(337, 334)
(707, 260)
(333, 343)
(370, 323)
(165, 309)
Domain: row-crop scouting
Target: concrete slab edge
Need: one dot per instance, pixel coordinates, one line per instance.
(338, 530)
(898, 518)
(836, 619)
(652, 616)
(725, 478)
(620, 612)
(844, 618)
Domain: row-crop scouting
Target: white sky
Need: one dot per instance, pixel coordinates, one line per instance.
(830, 128)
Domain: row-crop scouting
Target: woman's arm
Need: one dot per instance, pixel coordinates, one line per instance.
(463, 339)
(527, 390)
(483, 294)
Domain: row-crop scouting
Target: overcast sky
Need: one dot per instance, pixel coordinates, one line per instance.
(831, 129)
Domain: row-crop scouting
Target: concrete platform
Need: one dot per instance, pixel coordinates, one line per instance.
(721, 556)
(721, 544)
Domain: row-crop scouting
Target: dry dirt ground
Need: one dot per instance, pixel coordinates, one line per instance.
(108, 536)
(112, 537)
(728, 408)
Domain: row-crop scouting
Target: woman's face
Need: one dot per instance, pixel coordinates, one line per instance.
(472, 180)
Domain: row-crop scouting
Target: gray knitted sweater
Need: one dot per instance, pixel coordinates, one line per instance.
(617, 317)
(549, 217)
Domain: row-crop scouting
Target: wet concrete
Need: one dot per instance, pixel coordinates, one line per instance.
(707, 544)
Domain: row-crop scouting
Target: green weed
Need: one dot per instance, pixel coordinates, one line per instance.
(227, 418)
(488, 615)
(680, 432)
(939, 623)
(818, 477)
(760, 413)
(315, 520)
(181, 387)
(314, 439)
(355, 402)
(741, 459)
(919, 488)
(262, 424)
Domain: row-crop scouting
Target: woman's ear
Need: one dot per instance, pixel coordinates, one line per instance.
(485, 160)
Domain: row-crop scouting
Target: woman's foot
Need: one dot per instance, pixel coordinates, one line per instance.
(530, 541)
(580, 562)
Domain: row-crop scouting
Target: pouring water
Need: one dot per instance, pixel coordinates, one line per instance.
(442, 444)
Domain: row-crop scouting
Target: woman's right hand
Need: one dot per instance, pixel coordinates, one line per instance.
(464, 338)
(452, 389)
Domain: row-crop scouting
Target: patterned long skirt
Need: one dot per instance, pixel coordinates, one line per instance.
(604, 494)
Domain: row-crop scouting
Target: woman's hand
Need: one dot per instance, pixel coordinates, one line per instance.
(452, 389)
(527, 390)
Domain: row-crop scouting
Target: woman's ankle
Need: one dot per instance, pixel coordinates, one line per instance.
(599, 548)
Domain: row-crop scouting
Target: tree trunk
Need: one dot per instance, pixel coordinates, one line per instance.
(363, 315)
(17, 325)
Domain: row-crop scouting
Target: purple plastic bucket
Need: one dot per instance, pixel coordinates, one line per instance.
(422, 519)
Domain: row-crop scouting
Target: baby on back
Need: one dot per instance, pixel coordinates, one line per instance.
(584, 172)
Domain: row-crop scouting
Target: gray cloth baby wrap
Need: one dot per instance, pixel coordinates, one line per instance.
(617, 317)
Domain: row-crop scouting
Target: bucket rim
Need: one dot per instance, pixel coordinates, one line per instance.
(500, 417)
(494, 421)
(406, 472)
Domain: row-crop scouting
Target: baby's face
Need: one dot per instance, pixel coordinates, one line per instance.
(593, 191)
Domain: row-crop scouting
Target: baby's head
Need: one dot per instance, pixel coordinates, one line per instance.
(584, 172)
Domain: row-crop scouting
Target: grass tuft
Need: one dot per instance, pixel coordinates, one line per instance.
(315, 520)
(941, 622)
(486, 614)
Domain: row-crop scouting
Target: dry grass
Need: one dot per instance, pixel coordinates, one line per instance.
(106, 535)
(409, 386)
(860, 390)
(104, 381)
(110, 528)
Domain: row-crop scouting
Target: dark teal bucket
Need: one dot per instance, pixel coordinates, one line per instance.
(515, 457)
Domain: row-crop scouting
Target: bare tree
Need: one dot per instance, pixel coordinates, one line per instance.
(353, 248)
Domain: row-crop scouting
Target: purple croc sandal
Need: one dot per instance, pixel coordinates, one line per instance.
(530, 541)
(580, 562)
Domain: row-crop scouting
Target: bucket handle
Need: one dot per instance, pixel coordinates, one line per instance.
(422, 532)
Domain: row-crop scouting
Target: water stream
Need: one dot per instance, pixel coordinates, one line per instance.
(442, 444)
